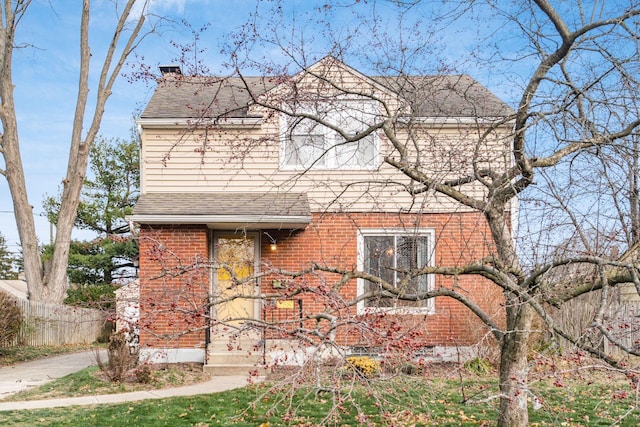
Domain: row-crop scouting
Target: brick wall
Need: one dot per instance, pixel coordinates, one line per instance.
(175, 281)
(174, 285)
(331, 240)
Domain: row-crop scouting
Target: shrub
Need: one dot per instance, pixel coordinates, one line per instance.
(101, 296)
(122, 356)
(412, 369)
(143, 374)
(478, 366)
(364, 365)
(11, 319)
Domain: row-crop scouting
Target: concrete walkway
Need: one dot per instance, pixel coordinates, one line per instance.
(34, 373)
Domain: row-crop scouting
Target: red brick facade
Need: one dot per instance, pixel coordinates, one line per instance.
(175, 279)
(174, 285)
(331, 240)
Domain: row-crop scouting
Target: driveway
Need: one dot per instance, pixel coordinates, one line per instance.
(25, 375)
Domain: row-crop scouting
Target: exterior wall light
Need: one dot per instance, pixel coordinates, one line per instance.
(274, 244)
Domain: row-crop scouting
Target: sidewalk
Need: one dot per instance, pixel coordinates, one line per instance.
(30, 374)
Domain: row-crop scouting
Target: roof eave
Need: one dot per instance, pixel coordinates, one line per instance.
(227, 122)
(457, 120)
(248, 222)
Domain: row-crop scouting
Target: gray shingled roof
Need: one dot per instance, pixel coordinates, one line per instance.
(221, 204)
(212, 97)
(197, 97)
(447, 96)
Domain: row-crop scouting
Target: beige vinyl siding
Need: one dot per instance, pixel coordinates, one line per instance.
(244, 157)
(247, 160)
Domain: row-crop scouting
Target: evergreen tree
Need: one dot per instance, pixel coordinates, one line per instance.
(107, 198)
(8, 270)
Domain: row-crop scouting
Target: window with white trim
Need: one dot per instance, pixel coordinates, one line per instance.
(392, 255)
(309, 145)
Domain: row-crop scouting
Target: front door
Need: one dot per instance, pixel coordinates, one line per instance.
(234, 291)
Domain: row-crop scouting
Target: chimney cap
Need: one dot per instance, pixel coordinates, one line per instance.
(170, 69)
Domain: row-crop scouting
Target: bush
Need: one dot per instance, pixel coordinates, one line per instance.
(101, 297)
(478, 366)
(122, 356)
(411, 369)
(143, 374)
(364, 365)
(11, 319)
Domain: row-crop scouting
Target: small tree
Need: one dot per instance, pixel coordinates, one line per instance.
(575, 98)
(122, 356)
(7, 261)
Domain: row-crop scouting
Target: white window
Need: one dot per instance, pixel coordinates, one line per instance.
(305, 146)
(391, 255)
(308, 145)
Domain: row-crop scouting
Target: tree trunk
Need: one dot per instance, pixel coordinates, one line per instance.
(634, 195)
(514, 390)
(56, 278)
(53, 286)
(23, 212)
(14, 171)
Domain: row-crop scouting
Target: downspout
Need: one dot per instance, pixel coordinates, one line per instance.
(264, 330)
(207, 332)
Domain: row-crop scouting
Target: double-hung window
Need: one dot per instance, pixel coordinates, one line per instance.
(307, 144)
(395, 256)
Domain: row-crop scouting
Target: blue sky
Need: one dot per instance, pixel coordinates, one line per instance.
(46, 74)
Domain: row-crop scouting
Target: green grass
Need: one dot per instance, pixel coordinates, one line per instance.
(80, 383)
(89, 382)
(403, 401)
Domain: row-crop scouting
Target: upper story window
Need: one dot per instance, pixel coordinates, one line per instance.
(392, 255)
(307, 144)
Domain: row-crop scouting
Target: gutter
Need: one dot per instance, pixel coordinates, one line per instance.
(227, 221)
(227, 122)
(454, 121)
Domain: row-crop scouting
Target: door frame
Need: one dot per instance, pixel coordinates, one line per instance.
(213, 256)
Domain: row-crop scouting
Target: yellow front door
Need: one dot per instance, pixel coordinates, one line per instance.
(234, 288)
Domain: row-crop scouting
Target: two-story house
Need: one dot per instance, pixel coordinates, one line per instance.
(261, 196)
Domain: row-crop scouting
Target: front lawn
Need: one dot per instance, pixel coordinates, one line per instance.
(91, 381)
(399, 401)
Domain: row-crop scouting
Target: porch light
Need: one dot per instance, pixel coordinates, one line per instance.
(274, 244)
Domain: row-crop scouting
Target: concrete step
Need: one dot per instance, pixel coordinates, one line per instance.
(235, 369)
(232, 357)
(246, 341)
(238, 357)
(239, 346)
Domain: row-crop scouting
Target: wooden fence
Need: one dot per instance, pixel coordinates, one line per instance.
(50, 324)
(624, 320)
(621, 320)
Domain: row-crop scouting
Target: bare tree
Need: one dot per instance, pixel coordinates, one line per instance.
(51, 285)
(575, 103)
